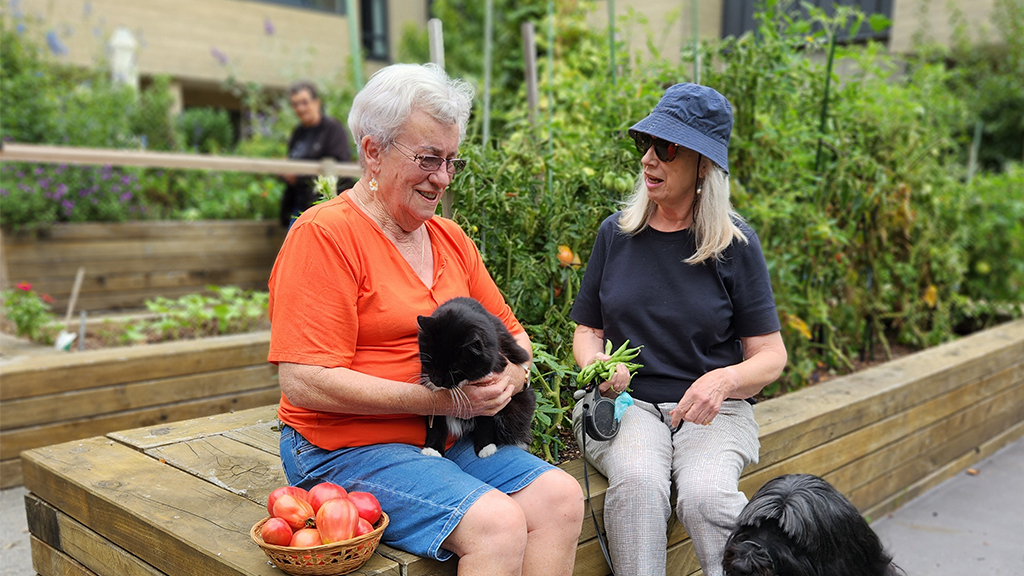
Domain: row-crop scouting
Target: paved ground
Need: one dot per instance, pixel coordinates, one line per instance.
(966, 526)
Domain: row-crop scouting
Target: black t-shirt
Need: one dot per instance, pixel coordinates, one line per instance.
(328, 139)
(689, 317)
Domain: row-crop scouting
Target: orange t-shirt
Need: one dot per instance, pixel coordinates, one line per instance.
(341, 295)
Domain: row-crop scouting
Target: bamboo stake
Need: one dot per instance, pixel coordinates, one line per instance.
(530, 59)
(488, 41)
(435, 35)
(354, 44)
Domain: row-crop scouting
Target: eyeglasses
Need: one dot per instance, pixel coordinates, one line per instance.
(663, 149)
(431, 163)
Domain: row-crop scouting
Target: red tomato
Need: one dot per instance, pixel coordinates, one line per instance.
(323, 492)
(337, 520)
(363, 527)
(276, 531)
(278, 492)
(297, 513)
(367, 504)
(305, 538)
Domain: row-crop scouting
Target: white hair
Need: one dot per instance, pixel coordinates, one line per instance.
(383, 106)
(714, 220)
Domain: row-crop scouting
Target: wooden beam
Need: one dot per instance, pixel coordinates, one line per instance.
(14, 152)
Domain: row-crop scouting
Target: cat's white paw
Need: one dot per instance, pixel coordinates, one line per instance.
(430, 452)
(487, 451)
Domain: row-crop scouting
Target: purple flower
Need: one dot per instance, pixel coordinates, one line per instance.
(20, 174)
(44, 183)
(62, 189)
(24, 187)
(126, 179)
(4, 192)
(54, 43)
(219, 56)
(268, 27)
(126, 196)
(68, 207)
(61, 168)
(38, 171)
(115, 188)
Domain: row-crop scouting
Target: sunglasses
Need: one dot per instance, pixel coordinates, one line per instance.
(663, 149)
(431, 163)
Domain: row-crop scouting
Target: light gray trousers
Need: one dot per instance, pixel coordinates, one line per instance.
(646, 460)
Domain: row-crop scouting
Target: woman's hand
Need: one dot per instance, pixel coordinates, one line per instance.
(704, 398)
(486, 396)
(618, 382)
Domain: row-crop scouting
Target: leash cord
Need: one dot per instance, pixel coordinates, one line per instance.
(597, 528)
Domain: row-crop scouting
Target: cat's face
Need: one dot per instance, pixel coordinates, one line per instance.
(454, 350)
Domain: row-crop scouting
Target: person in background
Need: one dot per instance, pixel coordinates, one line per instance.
(317, 136)
(679, 272)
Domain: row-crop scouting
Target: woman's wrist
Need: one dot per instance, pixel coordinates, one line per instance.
(526, 374)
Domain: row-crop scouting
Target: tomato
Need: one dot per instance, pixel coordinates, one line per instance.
(278, 492)
(276, 531)
(323, 492)
(305, 538)
(565, 255)
(363, 527)
(367, 504)
(297, 513)
(337, 520)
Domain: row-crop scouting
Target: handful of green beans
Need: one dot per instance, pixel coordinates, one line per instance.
(604, 369)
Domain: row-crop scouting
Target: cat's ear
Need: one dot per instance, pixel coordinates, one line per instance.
(424, 322)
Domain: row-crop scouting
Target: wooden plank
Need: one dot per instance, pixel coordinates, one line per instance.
(236, 467)
(829, 456)
(137, 298)
(155, 279)
(51, 408)
(171, 520)
(265, 436)
(956, 446)
(14, 152)
(10, 472)
(94, 552)
(59, 372)
(142, 229)
(185, 430)
(100, 268)
(412, 565)
(116, 249)
(48, 561)
(682, 559)
(12, 442)
(797, 422)
(879, 462)
(951, 469)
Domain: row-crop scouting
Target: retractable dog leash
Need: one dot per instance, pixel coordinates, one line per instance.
(599, 423)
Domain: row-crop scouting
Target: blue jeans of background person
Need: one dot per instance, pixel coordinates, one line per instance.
(425, 497)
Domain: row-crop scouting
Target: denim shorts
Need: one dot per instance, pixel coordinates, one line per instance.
(425, 497)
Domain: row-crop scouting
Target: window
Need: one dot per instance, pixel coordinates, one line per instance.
(375, 29)
(738, 15)
(335, 6)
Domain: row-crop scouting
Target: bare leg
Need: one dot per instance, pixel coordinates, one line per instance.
(553, 506)
(490, 540)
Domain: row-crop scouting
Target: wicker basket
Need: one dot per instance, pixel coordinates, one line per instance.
(324, 560)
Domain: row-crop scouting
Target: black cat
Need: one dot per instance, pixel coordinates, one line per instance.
(462, 342)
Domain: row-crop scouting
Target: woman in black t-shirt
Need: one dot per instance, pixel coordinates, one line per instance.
(678, 271)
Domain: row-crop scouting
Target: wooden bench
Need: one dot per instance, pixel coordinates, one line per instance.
(127, 263)
(59, 397)
(181, 498)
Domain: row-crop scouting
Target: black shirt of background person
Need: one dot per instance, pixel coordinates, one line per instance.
(688, 317)
(328, 139)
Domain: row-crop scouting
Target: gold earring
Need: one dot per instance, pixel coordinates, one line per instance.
(374, 186)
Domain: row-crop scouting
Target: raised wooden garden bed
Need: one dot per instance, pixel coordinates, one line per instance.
(53, 398)
(180, 498)
(127, 263)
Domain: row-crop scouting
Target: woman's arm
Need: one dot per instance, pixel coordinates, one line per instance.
(764, 357)
(346, 391)
(588, 346)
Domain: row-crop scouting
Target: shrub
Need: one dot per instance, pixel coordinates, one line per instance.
(29, 311)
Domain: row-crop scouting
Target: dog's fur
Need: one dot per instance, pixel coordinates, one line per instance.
(799, 525)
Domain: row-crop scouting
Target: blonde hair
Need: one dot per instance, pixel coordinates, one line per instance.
(714, 220)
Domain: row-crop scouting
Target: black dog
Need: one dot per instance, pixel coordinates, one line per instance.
(799, 525)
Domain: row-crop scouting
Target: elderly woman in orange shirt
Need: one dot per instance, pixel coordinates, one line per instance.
(352, 277)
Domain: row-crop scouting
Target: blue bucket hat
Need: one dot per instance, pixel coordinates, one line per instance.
(693, 116)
